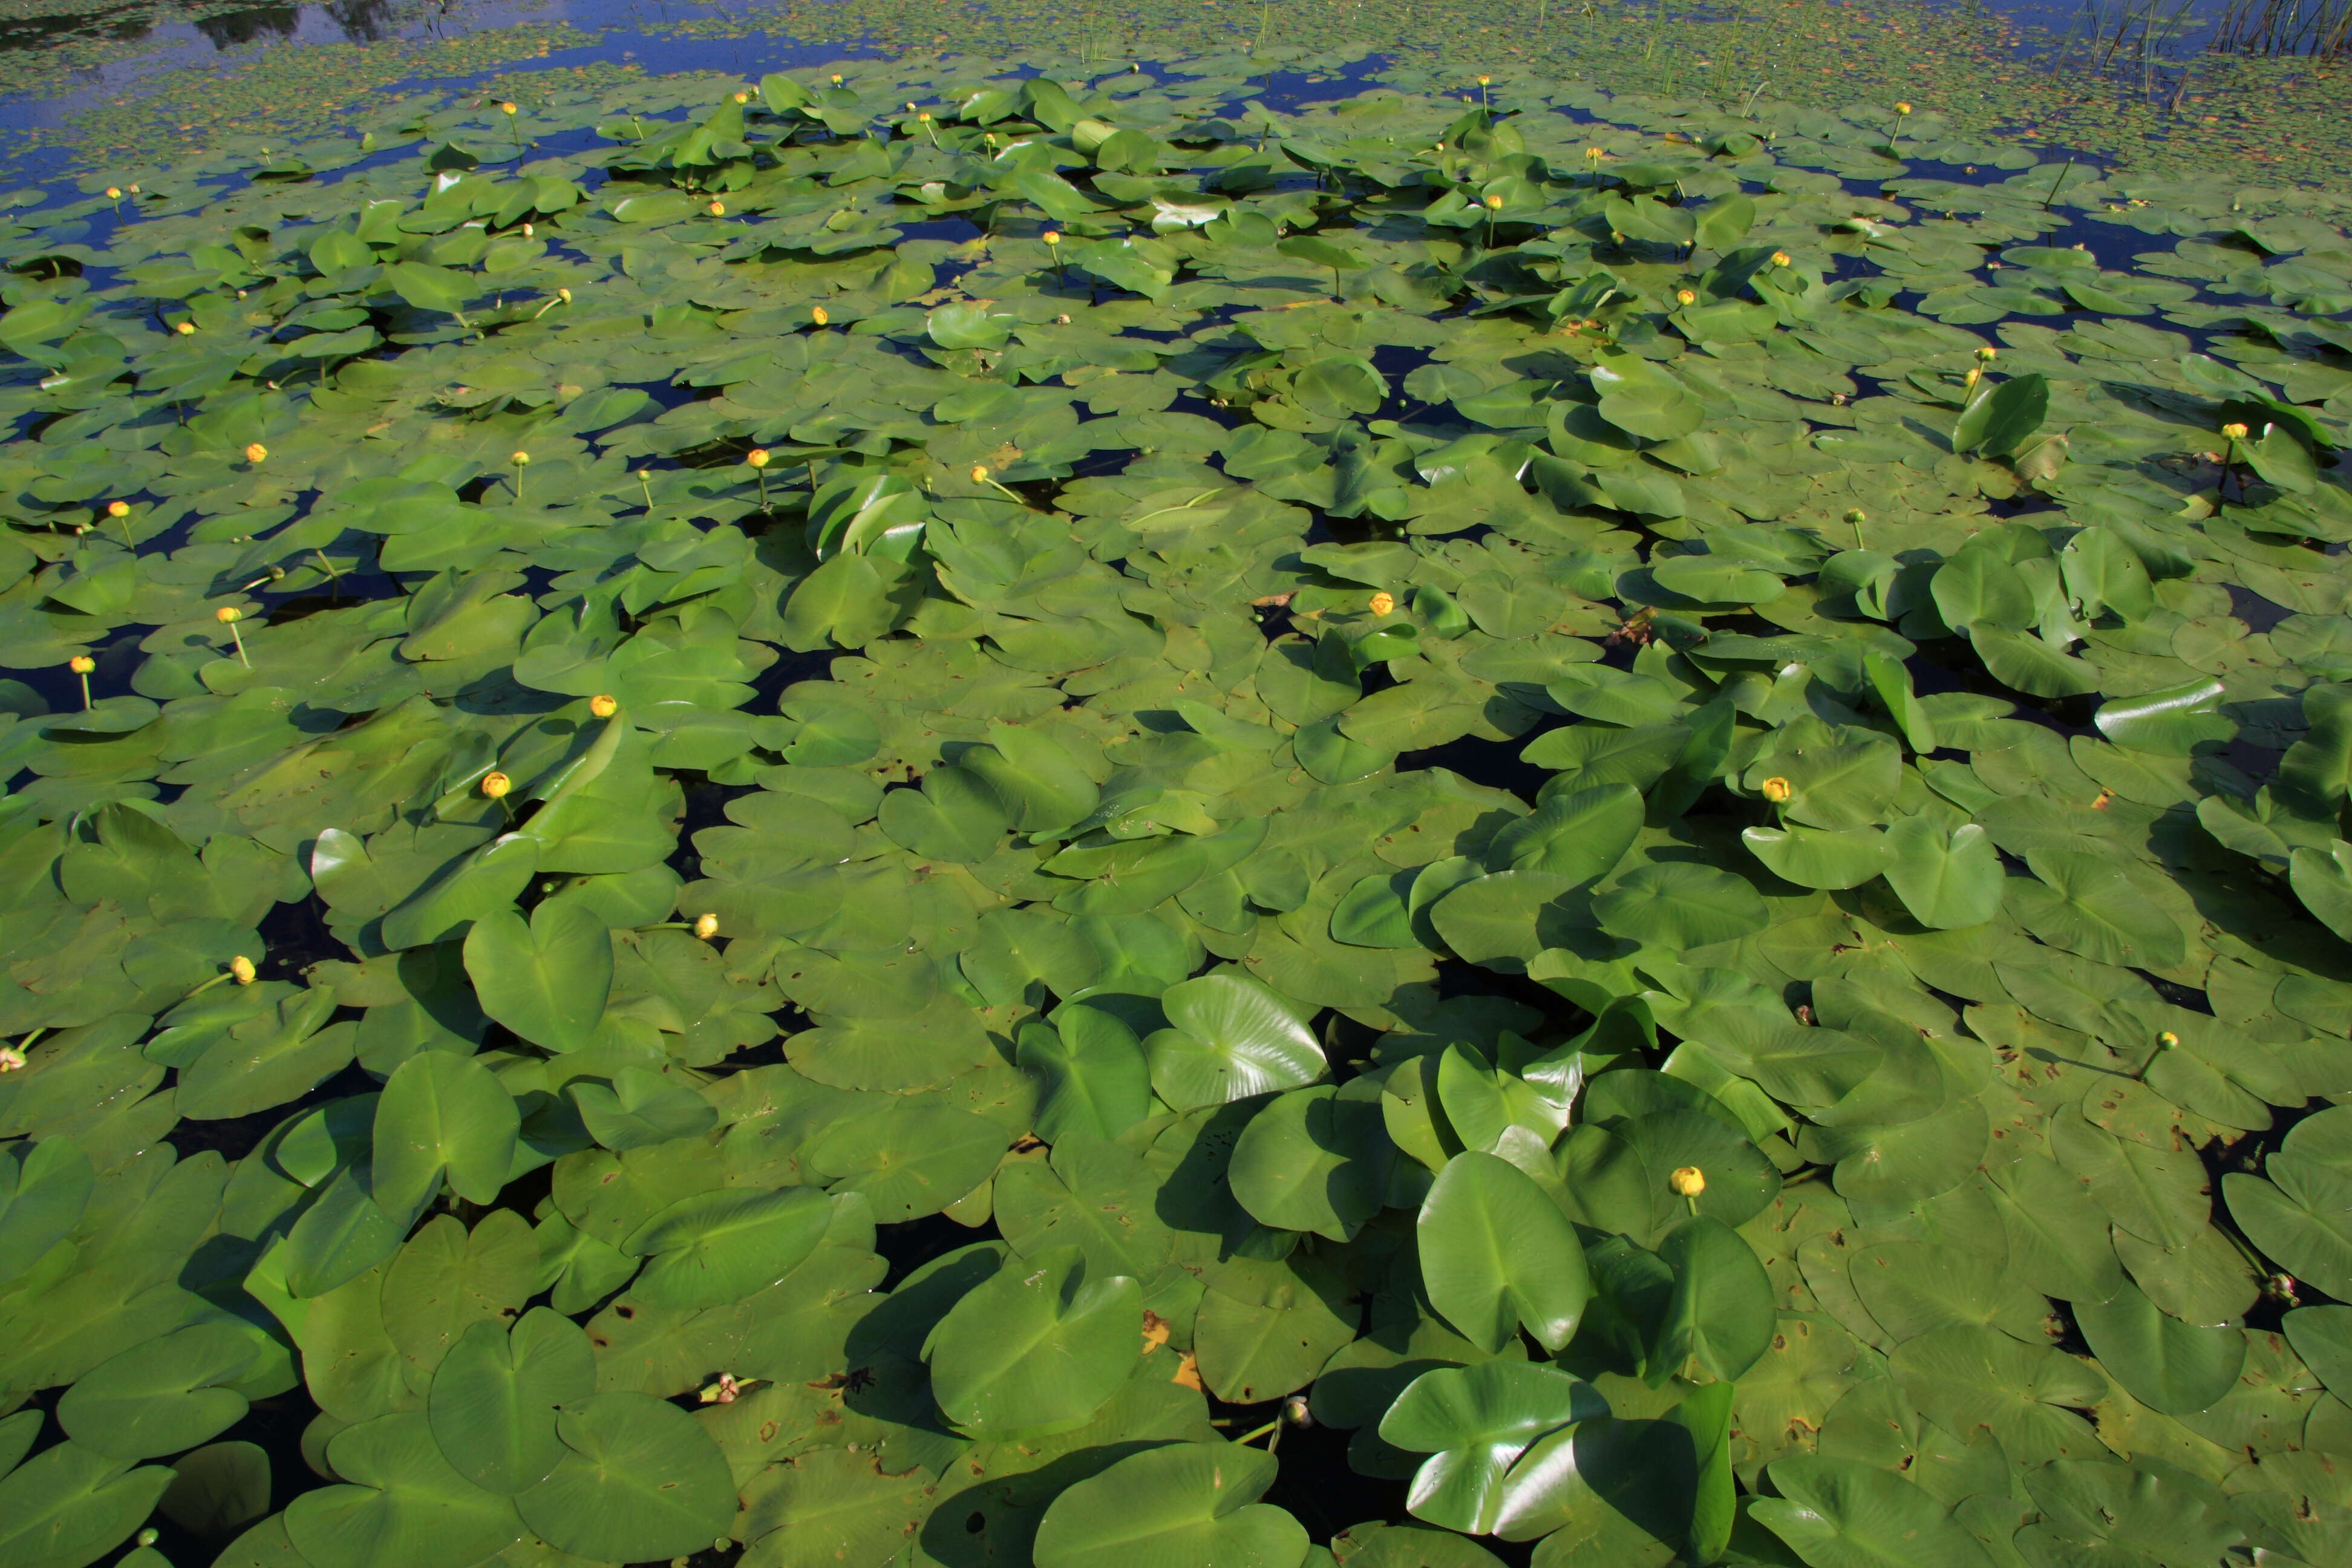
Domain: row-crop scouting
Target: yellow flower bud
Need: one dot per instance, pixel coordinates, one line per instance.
(1688, 1181)
(1987, 354)
(2234, 430)
(818, 314)
(1857, 515)
(527, 231)
(2168, 1039)
(1779, 258)
(242, 968)
(11, 1058)
(836, 78)
(228, 614)
(604, 706)
(1975, 375)
(925, 117)
(118, 509)
(1485, 79)
(1053, 236)
(757, 457)
(1685, 296)
(743, 98)
(1383, 603)
(1776, 789)
(520, 459)
(564, 295)
(82, 664)
(1495, 204)
(506, 109)
(255, 452)
(980, 473)
(718, 209)
(706, 927)
(495, 785)
(1902, 109)
(114, 192)
(186, 329)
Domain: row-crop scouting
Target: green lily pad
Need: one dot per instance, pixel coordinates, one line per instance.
(1184, 1502)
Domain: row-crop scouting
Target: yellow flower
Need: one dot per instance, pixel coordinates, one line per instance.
(836, 78)
(2166, 1040)
(1776, 789)
(1485, 79)
(604, 706)
(186, 329)
(255, 452)
(113, 193)
(1902, 109)
(706, 927)
(1779, 258)
(506, 109)
(2234, 430)
(242, 968)
(1685, 296)
(980, 473)
(818, 314)
(743, 98)
(82, 664)
(564, 295)
(1857, 515)
(1976, 373)
(1383, 603)
(1495, 204)
(757, 457)
(718, 209)
(1688, 1181)
(1987, 354)
(520, 459)
(1052, 237)
(495, 785)
(228, 614)
(527, 231)
(118, 509)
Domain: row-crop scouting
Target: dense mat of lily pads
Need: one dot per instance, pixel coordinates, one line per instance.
(1639, 807)
(2264, 121)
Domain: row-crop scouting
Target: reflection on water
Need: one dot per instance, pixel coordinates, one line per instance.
(237, 28)
(228, 28)
(343, 22)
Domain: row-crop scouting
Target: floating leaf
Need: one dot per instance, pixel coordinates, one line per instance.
(1231, 1038)
(638, 1479)
(548, 979)
(1497, 1255)
(1184, 1503)
(1041, 1344)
